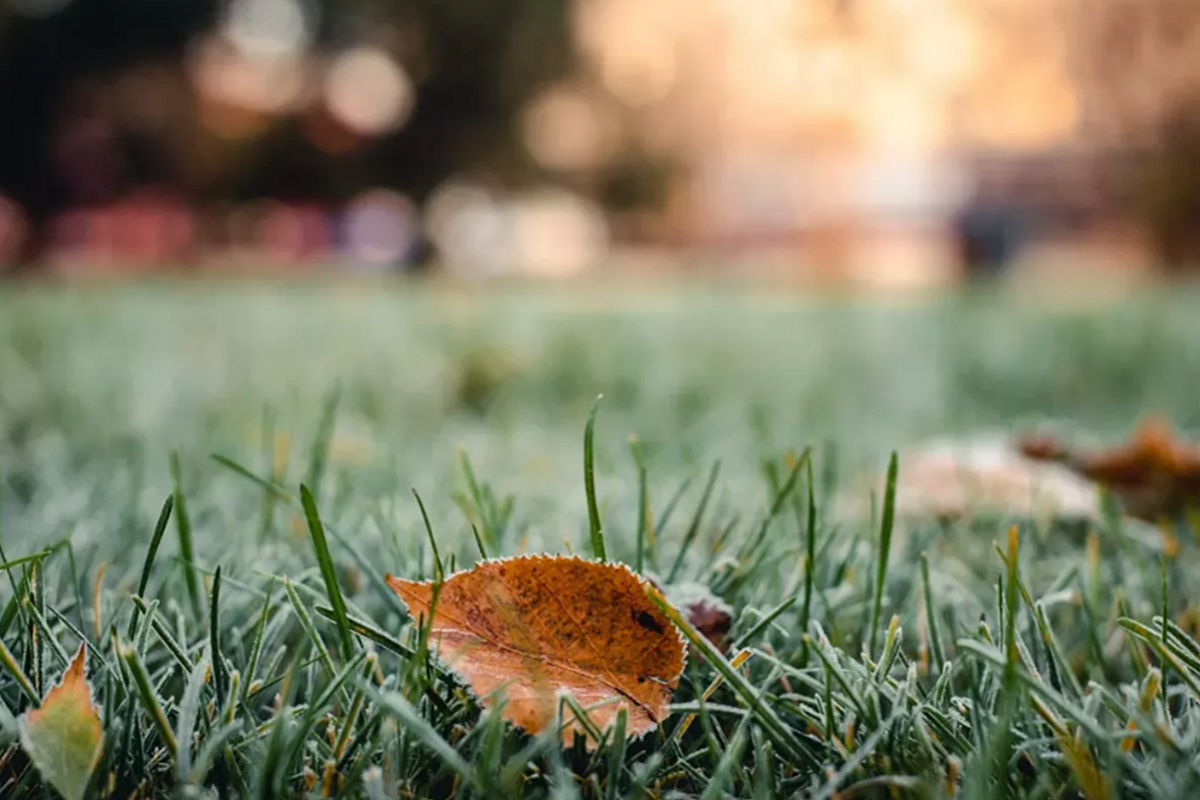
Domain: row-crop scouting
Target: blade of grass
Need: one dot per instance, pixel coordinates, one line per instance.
(159, 529)
(17, 562)
(185, 724)
(369, 631)
(220, 678)
(479, 542)
(183, 526)
(762, 624)
(325, 561)
(643, 520)
(935, 639)
(165, 636)
(439, 572)
(14, 670)
(309, 629)
(810, 554)
(697, 519)
(262, 483)
(319, 453)
(260, 630)
(616, 760)
(145, 693)
(589, 484)
(44, 627)
(885, 546)
(669, 509)
(780, 498)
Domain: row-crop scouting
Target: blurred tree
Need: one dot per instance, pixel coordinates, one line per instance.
(71, 132)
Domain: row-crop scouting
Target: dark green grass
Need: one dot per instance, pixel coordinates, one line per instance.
(248, 647)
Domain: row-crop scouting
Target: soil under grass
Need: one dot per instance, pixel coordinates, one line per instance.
(930, 667)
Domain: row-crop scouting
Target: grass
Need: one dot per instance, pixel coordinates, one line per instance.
(245, 645)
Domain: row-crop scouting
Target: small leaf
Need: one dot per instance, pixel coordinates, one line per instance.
(533, 626)
(64, 738)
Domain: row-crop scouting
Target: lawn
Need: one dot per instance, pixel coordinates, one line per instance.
(873, 674)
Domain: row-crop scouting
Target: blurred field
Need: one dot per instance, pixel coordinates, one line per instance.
(99, 386)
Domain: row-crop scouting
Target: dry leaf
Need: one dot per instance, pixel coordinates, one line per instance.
(64, 738)
(952, 479)
(706, 612)
(1156, 473)
(533, 626)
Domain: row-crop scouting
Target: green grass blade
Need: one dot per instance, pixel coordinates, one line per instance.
(885, 546)
(931, 618)
(762, 624)
(183, 526)
(262, 483)
(29, 559)
(697, 519)
(309, 629)
(810, 554)
(189, 708)
(589, 484)
(669, 509)
(369, 631)
(165, 636)
(220, 678)
(439, 571)
(319, 453)
(643, 518)
(325, 561)
(479, 542)
(616, 759)
(148, 697)
(159, 529)
(260, 630)
(10, 665)
(39, 620)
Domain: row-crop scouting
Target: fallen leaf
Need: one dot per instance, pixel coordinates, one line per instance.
(952, 479)
(706, 612)
(64, 738)
(1155, 473)
(533, 626)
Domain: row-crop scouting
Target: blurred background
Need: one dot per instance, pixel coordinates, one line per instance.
(885, 142)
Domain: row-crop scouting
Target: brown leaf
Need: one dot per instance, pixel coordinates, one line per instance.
(1155, 473)
(706, 612)
(532, 626)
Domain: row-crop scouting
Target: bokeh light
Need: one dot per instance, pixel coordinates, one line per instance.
(270, 28)
(380, 229)
(565, 129)
(368, 91)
